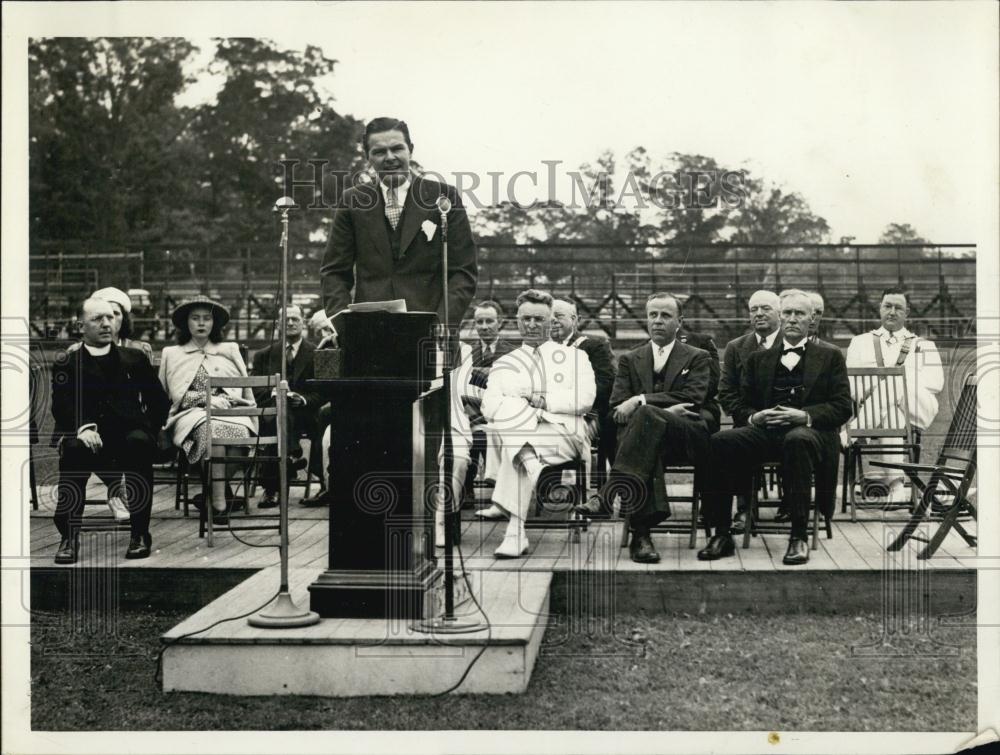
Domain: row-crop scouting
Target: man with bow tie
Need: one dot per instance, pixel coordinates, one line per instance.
(303, 404)
(891, 344)
(535, 404)
(794, 399)
(385, 242)
(665, 416)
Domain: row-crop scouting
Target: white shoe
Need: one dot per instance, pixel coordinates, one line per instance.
(492, 512)
(118, 508)
(513, 546)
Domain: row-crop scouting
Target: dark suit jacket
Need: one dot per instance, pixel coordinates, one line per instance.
(267, 361)
(705, 343)
(598, 350)
(131, 398)
(826, 398)
(733, 360)
(481, 366)
(826, 392)
(688, 374)
(359, 255)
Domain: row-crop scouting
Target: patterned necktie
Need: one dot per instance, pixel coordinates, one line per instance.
(289, 354)
(890, 340)
(392, 209)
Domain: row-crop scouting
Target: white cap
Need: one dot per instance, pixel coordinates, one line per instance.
(115, 295)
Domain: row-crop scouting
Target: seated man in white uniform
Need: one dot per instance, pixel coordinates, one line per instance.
(890, 345)
(535, 404)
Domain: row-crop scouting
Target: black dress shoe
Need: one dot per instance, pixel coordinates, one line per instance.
(797, 553)
(783, 516)
(67, 552)
(642, 551)
(323, 498)
(739, 523)
(719, 546)
(139, 547)
(269, 501)
(592, 508)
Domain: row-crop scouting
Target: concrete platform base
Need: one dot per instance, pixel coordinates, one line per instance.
(357, 657)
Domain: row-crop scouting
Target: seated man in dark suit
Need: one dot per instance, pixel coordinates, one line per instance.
(794, 400)
(303, 405)
(598, 350)
(487, 317)
(108, 407)
(765, 333)
(660, 404)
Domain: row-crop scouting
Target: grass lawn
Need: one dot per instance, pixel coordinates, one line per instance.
(782, 673)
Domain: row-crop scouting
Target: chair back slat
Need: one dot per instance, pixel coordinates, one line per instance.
(880, 401)
(250, 381)
(960, 440)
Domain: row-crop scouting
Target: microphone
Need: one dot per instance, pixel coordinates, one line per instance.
(285, 203)
(443, 204)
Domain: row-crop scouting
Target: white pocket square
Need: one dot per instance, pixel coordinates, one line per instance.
(685, 372)
(429, 227)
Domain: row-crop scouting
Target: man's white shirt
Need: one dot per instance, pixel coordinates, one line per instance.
(924, 373)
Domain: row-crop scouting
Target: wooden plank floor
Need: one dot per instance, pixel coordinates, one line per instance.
(858, 546)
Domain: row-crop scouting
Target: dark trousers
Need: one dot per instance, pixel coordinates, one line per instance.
(300, 422)
(653, 438)
(737, 453)
(128, 456)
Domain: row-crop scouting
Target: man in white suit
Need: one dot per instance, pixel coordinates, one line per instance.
(535, 404)
(891, 344)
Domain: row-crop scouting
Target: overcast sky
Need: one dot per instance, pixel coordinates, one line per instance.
(871, 112)
(875, 113)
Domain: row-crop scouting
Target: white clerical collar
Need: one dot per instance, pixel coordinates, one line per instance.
(768, 340)
(98, 351)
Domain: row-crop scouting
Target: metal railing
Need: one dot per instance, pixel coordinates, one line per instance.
(609, 283)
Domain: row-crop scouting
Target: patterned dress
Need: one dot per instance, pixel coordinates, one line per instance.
(195, 445)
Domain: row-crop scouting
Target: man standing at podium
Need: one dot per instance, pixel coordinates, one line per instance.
(386, 238)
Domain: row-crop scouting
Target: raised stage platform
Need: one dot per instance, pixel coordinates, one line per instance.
(849, 572)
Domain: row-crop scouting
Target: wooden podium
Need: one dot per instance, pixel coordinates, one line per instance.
(381, 538)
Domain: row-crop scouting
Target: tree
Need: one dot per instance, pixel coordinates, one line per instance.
(770, 215)
(267, 110)
(901, 233)
(105, 135)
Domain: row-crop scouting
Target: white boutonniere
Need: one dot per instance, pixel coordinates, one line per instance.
(429, 227)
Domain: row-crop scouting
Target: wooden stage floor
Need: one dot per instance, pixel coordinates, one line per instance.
(855, 547)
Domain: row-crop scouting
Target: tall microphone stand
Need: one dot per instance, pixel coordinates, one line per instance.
(447, 623)
(283, 612)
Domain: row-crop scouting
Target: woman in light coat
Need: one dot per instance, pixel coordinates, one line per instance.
(184, 372)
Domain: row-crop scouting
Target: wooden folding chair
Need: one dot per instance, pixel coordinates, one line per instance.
(881, 414)
(673, 526)
(217, 455)
(550, 480)
(944, 485)
(756, 527)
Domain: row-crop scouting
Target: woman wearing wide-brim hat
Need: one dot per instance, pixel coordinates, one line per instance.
(184, 372)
